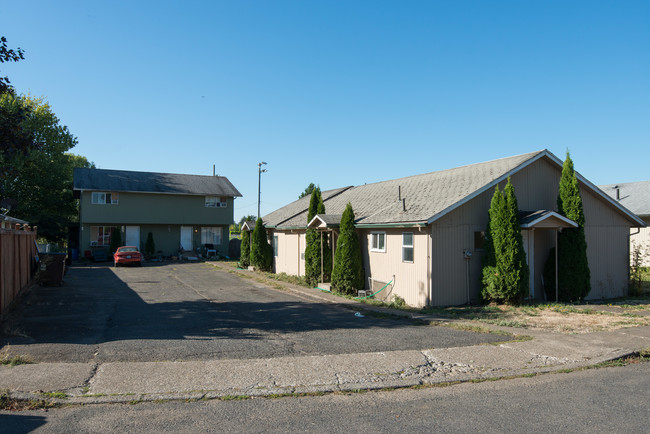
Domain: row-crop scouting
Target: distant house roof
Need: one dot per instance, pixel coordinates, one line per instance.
(248, 225)
(325, 221)
(421, 199)
(152, 182)
(634, 196)
(11, 220)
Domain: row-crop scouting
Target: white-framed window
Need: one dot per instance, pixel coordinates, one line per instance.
(407, 246)
(378, 241)
(211, 235)
(215, 202)
(100, 235)
(103, 198)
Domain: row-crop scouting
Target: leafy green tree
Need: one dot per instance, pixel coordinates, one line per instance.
(574, 276)
(8, 55)
(313, 244)
(245, 219)
(261, 255)
(149, 246)
(310, 188)
(116, 239)
(41, 182)
(347, 275)
(245, 256)
(505, 271)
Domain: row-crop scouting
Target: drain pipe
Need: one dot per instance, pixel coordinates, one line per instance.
(467, 255)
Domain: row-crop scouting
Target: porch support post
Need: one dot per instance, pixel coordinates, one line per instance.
(556, 271)
(531, 264)
(321, 257)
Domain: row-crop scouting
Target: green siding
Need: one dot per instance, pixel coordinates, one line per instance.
(167, 238)
(141, 208)
(161, 214)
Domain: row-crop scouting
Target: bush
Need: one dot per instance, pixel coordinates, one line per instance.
(149, 246)
(261, 255)
(505, 271)
(573, 267)
(245, 256)
(313, 244)
(347, 275)
(116, 239)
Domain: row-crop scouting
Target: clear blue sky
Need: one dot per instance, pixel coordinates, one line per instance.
(339, 92)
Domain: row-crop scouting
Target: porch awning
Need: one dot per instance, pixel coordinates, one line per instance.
(325, 221)
(544, 219)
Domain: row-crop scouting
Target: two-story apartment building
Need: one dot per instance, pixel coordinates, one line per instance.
(183, 212)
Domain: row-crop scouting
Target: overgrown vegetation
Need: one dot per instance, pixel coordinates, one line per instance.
(639, 275)
(9, 359)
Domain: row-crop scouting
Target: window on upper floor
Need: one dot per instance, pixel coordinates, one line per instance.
(103, 198)
(378, 241)
(215, 202)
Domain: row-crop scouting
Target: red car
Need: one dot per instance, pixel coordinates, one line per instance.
(127, 255)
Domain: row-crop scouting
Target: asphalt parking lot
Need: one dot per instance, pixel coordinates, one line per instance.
(193, 311)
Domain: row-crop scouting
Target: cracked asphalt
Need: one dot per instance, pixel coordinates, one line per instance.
(195, 312)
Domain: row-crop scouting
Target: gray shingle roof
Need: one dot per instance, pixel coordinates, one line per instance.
(634, 196)
(425, 197)
(152, 182)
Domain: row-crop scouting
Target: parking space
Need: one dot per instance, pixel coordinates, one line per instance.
(196, 312)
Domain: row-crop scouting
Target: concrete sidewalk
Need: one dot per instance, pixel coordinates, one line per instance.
(148, 381)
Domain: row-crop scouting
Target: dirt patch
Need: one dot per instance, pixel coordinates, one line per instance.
(563, 319)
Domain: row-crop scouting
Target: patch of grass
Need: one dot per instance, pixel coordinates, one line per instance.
(58, 395)
(7, 358)
(505, 323)
(234, 398)
(12, 404)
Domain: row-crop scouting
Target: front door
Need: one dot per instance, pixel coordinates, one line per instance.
(133, 236)
(186, 238)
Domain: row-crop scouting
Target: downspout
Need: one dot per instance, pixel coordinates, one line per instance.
(556, 271)
(429, 276)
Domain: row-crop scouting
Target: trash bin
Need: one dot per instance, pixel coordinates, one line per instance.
(51, 268)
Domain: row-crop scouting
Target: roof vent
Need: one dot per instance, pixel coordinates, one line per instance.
(618, 192)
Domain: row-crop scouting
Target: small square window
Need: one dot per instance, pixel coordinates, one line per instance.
(378, 241)
(479, 240)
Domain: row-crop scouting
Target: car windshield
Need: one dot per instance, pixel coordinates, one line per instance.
(127, 249)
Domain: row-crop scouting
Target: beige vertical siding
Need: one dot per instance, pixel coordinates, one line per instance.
(291, 246)
(641, 237)
(607, 234)
(411, 281)
(536, 187)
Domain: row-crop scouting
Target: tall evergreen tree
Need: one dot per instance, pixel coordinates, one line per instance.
(347, 274)
(245, 257)
(514, 256)
(505, 271)
(261, 255)
(313, 244)
(573, 266)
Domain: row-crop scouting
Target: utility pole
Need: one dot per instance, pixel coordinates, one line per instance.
(259, 185)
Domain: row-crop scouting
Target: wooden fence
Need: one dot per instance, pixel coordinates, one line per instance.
(17, 252)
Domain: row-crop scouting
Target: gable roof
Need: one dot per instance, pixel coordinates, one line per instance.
(635, 196)
(421, 199)
(152, 182)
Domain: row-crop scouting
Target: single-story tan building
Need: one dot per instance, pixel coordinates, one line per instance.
(635, 196)
(424, 233)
